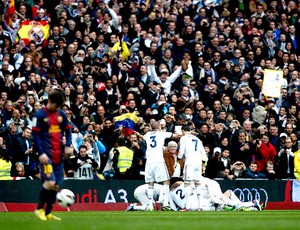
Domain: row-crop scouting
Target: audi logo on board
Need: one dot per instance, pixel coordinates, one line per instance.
(249, 194)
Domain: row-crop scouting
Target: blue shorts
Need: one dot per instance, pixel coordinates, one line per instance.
(52, 172)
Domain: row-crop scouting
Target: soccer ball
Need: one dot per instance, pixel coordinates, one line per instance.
(65, 198)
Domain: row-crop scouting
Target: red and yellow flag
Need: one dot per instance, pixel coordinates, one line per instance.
(10, 10)
(34, 31)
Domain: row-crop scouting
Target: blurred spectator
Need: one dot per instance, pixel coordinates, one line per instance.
(10, 138)
(219, 165)
(138, 146)
(69, 162)
(241, 149)
(170, 156)
(265, 152)
(123, 160)
(237, 170)
(19, 170)
(285, 160)
(274, 136)
(16, 119)
(269, 171)
(5, 163)
(25, 153)
(84, 166)
(252, 171)
(90, 141)
(297, 164)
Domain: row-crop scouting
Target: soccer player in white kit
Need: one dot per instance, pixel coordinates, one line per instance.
(141, 194)
(156, 169)
(191, 148)
(211, 197)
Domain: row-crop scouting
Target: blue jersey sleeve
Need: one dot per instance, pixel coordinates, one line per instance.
(67, 127)
(36, 129)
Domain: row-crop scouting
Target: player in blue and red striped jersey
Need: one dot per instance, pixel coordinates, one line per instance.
(49, 126)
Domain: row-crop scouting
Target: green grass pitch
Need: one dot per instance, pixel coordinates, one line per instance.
(155, 220)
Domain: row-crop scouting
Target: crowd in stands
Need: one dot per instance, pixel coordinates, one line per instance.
(177, 62)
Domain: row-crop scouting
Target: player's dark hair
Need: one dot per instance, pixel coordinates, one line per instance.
(57, 97)
(173, 180)
(186, 128)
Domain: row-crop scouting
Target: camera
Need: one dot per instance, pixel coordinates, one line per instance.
(124, 111)
(247, 96)
(257, 142)
(92, 132)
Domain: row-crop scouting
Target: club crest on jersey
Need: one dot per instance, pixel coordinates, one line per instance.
(54, 129)
(60, 119)
(46, 119)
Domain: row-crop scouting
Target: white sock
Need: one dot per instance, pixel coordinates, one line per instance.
(140, 207)
(188, 194)
(199, 196)
(150, 195)
(247, 204)
(234, 197)
(230, 202)
(166, 195)
(208, 209)
(217, 200)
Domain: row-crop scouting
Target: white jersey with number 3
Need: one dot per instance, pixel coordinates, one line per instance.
(155, 142)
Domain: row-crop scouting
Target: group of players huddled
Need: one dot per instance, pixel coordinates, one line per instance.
(189, 191)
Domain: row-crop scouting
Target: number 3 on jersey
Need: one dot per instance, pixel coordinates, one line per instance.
(153, 141)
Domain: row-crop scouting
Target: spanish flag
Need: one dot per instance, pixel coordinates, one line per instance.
(127, 121)
(10, 10)
(34, 31)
